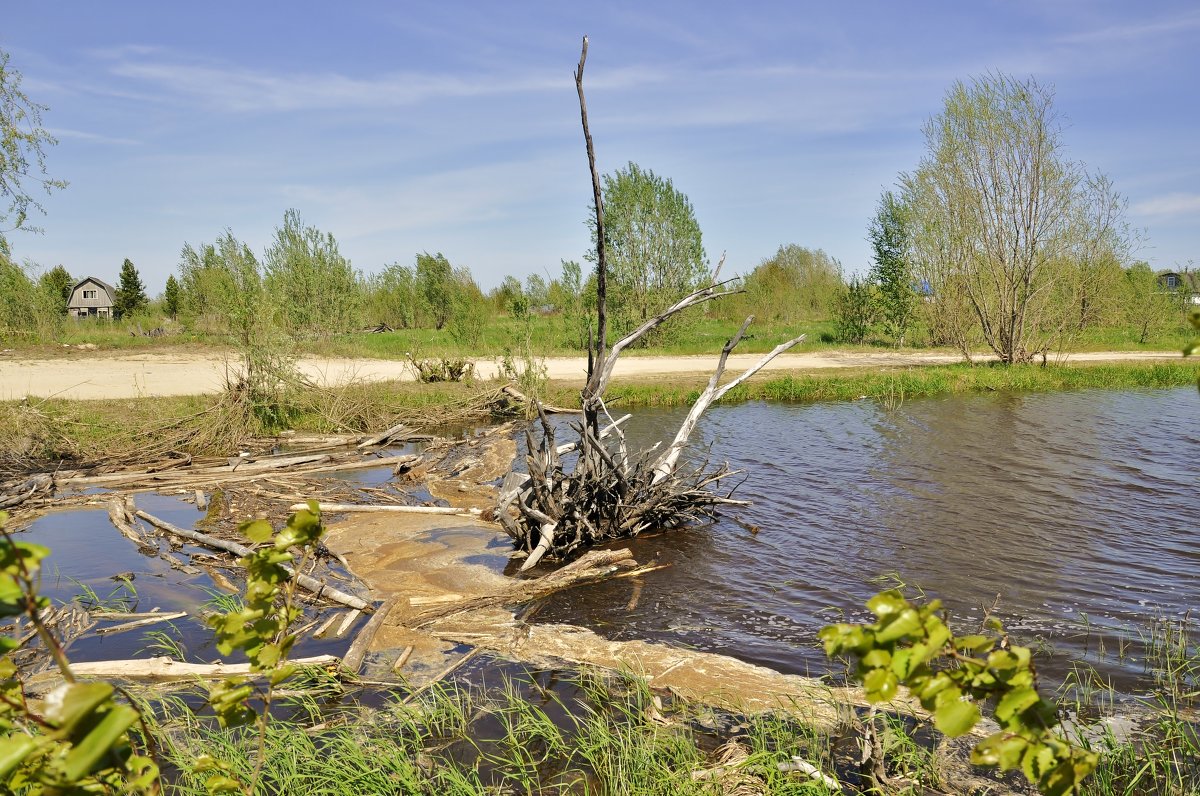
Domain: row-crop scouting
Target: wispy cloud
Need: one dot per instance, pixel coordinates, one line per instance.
(1182, 24)
(82, 135)
(449, 197)
(1168, 206)
(234, 89)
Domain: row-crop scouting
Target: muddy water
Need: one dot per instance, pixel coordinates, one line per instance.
(1073, 513)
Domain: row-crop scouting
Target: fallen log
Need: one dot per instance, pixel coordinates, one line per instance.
(146, 620)
(195, 477)
(166, 668)
(122, 519)
(382, 438)
(591, 566)
(307, 582)
(367, 508)
(353, 659)
(520, 397)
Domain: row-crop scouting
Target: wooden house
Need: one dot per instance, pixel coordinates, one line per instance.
(92, 298)
(1186, 283)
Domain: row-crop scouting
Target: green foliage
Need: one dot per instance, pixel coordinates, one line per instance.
(131, 293)
(79, 742)
(435, 285)
(509, 297)
(222, 290)
(519, 362)
(569, 296)
(1193, 347)
(1000, 218)
(654, 250)
(796, 284)
(854, 312)
(27, 310)
(537, 292)
(172, 297)
(891, 271)
(22, 159)
(468, 310)
(392, 297)
(259, 627)
(58, 282)
(314, 288)
(910, 645)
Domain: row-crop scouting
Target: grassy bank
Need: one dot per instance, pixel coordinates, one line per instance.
(53, 429)
(589, 732)
(895, 385)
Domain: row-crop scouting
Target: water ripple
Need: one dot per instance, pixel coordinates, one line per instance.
(1068, 508)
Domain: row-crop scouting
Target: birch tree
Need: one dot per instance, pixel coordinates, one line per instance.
(998, 211)
(23, 141)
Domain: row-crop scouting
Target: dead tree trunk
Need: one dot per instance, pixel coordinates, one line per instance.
(609, 494)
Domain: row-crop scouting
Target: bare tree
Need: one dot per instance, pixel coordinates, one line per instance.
(558, 507)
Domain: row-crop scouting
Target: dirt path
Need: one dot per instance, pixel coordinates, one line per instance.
(98, 375)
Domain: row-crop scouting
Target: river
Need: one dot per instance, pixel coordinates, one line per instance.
(1071, 516)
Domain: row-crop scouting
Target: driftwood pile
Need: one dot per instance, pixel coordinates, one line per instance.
(328, 585)
(604, 492)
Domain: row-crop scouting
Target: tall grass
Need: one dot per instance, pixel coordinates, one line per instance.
(1153, 747)
(592, 734)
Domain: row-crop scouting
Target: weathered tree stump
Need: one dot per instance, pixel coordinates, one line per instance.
(555, 509)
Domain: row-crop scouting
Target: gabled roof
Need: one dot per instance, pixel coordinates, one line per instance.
(109, 289)
(1189, 278)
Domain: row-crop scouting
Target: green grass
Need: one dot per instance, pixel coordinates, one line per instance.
(589, 732)
(610, 737)
(895, 385)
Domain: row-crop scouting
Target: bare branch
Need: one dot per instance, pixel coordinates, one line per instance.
(598, 199)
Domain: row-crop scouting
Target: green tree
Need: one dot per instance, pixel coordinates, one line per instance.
(315, 289)
(58, 282)
(27, 310)
(222, 291)
(655, 248)
(392, 297)
(997, 211)
(537, 292)
(509, 297)
(567, 295)
(131, 293)
(891, 271)
(854, 311)
(171, 297)
(435, 285)
(796, 284)
(22, 155)
(468, 308)
(1148, 308)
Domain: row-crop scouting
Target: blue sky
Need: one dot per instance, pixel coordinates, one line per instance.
(454, 127)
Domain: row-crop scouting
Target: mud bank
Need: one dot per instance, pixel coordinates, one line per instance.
(414, 562)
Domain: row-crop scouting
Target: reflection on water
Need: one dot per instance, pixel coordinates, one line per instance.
(1072, 513)
(90, 561)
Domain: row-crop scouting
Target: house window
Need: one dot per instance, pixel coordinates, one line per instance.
(89, 294)
(1172, 281)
